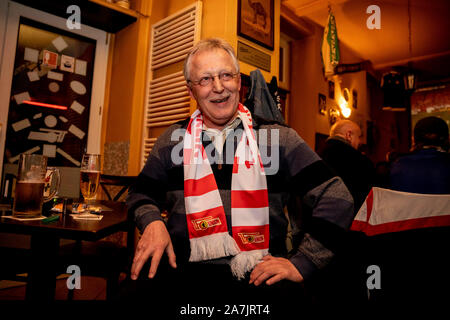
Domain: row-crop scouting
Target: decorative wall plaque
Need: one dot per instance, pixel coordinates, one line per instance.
(253, 56)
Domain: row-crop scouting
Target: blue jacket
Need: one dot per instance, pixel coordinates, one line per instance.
(423, 171)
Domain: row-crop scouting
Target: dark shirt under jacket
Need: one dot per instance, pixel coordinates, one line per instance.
(352, 166)
(424, 171)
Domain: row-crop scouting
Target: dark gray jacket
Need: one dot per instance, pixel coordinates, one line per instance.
(294, 169)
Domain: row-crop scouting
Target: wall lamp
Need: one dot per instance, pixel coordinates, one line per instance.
(343, 103)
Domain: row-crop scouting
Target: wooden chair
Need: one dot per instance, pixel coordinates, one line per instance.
(111, 256)
(120, 184)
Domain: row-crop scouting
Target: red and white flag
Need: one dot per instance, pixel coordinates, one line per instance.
(386, 211)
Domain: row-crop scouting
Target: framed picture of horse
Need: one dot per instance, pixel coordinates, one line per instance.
(255, 21)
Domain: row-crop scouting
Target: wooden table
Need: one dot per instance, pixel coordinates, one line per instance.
(45, 238)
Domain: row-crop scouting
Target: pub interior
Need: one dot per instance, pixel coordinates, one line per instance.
(105, 77)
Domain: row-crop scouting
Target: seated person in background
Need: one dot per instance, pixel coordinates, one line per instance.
(347, 271)
(427, 168)
(342, 155)
(226, 229)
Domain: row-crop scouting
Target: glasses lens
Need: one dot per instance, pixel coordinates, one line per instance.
(226, 76)
(205, 81)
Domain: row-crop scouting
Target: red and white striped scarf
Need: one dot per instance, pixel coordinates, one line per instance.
(207, 225)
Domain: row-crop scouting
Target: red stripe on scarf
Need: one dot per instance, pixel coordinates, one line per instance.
(369, 204)
(397, 226)
(197, 187)
(252, 237)
(199, 223)
(249, 198)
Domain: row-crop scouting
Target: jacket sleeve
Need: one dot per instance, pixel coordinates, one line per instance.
(329, 204)
(147, 197)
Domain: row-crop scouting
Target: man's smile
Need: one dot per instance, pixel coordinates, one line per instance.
(220, 100)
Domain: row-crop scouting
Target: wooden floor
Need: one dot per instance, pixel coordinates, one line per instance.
(92, 288)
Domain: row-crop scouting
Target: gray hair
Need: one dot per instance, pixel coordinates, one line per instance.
(341, 126)
(206, 45)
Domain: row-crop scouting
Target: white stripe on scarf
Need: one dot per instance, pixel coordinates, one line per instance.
(250, 225)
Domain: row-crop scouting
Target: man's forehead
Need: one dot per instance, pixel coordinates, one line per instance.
(210, 50)
(200, 66)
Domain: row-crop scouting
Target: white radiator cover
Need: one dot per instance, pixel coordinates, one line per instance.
(167, 99)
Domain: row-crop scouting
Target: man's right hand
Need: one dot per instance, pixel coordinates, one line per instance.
(154, 241)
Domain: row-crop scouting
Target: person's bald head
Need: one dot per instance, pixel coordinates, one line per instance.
(348, 130)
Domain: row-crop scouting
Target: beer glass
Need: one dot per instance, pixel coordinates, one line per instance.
(90, 176)
(35, 184)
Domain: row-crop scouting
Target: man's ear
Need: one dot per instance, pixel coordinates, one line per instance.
(190, 91)
(348, 135)
(239, 81)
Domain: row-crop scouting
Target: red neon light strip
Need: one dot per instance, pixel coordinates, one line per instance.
(46, 105)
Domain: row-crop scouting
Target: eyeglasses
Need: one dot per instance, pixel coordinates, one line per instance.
(207, 80)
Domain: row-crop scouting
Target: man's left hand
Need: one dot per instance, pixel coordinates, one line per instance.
(274, 269)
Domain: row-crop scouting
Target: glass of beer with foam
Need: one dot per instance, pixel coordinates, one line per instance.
(29, 190)
(90, 175)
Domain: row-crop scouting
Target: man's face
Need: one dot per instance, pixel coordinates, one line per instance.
(219, 100)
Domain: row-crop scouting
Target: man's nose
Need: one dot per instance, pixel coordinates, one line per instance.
(217, 84)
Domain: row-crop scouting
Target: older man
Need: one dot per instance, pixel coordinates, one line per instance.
(347, 273)
(342, 155)
(224, 178)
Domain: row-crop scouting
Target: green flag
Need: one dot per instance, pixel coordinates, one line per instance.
(330, 46)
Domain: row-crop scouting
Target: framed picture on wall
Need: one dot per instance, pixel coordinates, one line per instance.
(331, 89)
(255, 21)
(322, 104)
(355, 99)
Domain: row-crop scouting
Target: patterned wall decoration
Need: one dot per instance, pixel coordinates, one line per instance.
(116, 158)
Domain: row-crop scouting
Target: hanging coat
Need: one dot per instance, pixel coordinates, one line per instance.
(259, 99)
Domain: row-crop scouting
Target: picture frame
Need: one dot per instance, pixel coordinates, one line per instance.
(322, 104)
(256, 21)
(331, 89)
(355, 99)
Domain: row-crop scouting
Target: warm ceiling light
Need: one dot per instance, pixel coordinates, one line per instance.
(45, 105)
(345, 110)
(343, 103)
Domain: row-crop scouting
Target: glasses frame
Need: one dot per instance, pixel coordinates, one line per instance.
(212, 77)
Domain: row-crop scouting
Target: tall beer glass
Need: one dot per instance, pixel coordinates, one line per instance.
(90, 176)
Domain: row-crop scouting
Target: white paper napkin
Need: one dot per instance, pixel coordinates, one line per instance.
(24, 219)
(87, 216)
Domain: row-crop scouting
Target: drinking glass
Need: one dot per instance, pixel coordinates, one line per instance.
(90, 176)
(36, 183)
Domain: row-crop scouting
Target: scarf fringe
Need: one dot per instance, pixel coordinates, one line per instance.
(213, 246)
(246, 261)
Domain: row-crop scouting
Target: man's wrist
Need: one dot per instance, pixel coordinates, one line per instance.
(146, 214)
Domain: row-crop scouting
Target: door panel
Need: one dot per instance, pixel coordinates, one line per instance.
(50, 100)
(51, 91)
